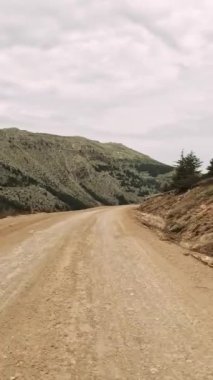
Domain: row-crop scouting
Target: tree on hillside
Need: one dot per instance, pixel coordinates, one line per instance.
(210, 169)
(187, 172)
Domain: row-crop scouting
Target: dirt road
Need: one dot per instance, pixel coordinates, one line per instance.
(94, 295)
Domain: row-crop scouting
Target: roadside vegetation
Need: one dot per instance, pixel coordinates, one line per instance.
(184, 213)
(188, 173)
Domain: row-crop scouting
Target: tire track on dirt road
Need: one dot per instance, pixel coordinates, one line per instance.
(92, 295)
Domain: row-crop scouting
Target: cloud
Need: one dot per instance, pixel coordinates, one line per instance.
(130, 71)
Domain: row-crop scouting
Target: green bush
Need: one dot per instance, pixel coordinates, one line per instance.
(187, 172)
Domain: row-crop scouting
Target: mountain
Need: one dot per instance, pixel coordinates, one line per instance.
(41, 172)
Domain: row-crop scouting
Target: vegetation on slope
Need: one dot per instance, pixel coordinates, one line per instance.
(40, 172)
(187, 173)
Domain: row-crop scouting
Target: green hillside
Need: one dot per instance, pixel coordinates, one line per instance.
(41, 172)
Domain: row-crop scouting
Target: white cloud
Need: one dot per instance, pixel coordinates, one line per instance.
(130, 71)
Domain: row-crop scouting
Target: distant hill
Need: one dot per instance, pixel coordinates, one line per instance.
(41, 172)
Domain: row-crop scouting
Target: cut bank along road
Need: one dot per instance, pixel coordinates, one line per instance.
(94, 295)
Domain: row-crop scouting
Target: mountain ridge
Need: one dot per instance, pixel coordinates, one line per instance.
(43, 172)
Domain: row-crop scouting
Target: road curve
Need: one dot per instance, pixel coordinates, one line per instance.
(94, 295)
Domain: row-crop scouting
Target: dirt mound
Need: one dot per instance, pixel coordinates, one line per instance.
(186, 219)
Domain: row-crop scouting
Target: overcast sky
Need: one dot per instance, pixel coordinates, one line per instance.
(132, 71)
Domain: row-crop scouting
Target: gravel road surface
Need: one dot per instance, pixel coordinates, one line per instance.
(94, 295)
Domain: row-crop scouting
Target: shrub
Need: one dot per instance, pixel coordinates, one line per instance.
(187, 172)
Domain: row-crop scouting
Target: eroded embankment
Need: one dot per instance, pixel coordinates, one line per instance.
(186, 219)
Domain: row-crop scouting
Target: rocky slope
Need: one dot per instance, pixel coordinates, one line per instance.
(186, 219)
(40, 172)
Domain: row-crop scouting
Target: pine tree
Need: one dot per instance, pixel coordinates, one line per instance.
(187, 172)
(210, 169)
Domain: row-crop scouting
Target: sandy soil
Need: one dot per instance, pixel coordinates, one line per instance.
(93, 295)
